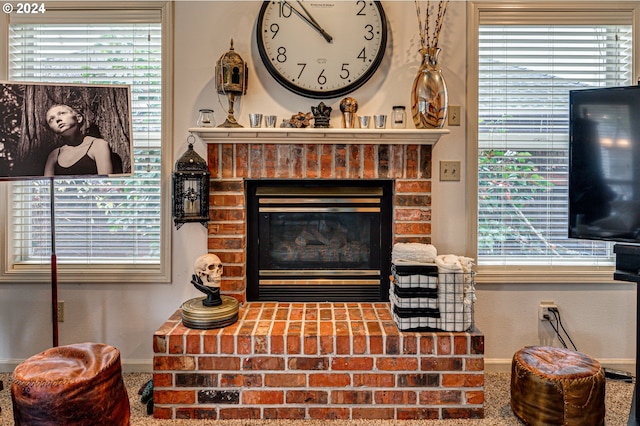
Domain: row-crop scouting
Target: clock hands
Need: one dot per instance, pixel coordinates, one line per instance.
(309, 20)
(315, 23)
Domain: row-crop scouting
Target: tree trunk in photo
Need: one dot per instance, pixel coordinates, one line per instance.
(37, 140)
(106, 115)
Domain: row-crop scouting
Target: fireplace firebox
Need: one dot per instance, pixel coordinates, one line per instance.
(318, 240)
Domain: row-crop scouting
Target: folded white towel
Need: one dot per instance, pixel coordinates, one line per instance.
(413, 252)
(454, 262)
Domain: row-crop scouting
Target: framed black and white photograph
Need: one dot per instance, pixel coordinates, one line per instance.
(50, 130)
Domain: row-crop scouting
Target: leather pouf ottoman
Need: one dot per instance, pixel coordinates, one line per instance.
(78, 384)
(555, 386)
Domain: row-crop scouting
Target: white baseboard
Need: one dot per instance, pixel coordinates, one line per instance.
(137, 366)
(497, 365)
(8, 365)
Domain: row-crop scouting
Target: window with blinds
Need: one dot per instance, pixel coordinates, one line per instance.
(103, 221)
(524, 77)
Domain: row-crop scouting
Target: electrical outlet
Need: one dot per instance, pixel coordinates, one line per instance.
(545, 309)
(60, 311)
(449, 170)
(454, 115)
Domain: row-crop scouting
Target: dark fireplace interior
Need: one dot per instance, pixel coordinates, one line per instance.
(318, 240)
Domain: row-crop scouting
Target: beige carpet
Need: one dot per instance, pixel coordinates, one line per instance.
(497, 411)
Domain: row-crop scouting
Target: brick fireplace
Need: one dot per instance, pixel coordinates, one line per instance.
(315, 360)
(409, 165)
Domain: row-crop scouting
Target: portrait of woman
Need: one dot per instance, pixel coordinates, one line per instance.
(80, 154)
(65, 130)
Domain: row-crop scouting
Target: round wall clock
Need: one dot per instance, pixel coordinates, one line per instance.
(321, 49)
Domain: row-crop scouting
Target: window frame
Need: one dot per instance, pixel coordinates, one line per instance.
(143, 272)
(539, 12)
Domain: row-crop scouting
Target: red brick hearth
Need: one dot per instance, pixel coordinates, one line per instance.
(316, 361)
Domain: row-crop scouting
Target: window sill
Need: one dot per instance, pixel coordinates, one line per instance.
(544, 275)
(87, 274)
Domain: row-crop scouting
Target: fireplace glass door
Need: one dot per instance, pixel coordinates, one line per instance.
(324, 242)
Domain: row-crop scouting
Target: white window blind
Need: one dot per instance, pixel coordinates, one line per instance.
(106, 221)
(525, 74)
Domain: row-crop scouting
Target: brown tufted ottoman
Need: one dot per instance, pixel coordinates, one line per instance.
(555, 386)
(78, 384)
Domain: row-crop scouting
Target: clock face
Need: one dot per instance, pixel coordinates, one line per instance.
(321, 49)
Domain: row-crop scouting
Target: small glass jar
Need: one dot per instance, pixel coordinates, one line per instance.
(398, 117)
(206, 118)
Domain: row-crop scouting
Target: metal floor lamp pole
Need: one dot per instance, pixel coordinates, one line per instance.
(54, 267)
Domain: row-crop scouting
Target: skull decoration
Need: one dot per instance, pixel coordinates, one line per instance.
(209, 268)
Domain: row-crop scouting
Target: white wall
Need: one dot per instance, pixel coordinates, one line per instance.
(600, 318)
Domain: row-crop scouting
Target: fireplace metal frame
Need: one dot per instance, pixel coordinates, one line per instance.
(312, 195)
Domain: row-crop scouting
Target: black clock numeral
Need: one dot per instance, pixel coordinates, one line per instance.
(274, 28)
(344, 72)
(322, 80)
(361, 11)
(282, 55)
(363, 55)
(302, 67)
(284, 10)
(369, 34)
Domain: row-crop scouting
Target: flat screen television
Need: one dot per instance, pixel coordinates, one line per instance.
(604, 164)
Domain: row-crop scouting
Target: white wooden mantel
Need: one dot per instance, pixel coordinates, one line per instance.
(313, 135)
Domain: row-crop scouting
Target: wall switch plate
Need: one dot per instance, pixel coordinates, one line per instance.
(454, 115)
(449, 170)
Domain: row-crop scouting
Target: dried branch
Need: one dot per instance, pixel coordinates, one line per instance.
(427, 37)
